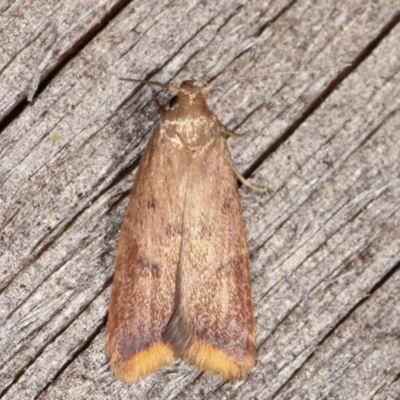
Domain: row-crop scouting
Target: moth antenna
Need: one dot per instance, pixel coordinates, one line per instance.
(259, 189)
(240, 78)
(153, 83)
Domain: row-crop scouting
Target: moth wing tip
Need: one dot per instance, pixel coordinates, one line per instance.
(208, 358)
(143, 363)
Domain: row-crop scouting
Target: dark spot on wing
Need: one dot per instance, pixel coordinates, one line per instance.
(148, 267)
(173, 229)
(226, 206)
(205, 231)
(224, 268)
(152, 203)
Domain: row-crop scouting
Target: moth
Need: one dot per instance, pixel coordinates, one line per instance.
(181, 287)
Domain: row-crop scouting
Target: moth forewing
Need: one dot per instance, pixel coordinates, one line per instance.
(142, 296)
(213, 322)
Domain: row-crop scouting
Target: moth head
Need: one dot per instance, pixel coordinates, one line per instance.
(188, 94)
(187, 88)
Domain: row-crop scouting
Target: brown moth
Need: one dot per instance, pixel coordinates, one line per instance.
(182, 286)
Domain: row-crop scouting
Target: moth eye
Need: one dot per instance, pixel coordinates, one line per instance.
(173, 101)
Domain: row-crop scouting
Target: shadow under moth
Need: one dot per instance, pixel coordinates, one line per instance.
(182, 286)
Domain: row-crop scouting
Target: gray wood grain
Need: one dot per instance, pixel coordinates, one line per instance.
(37, 37)
(324, 244)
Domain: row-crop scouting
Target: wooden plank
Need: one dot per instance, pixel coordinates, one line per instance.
(362, 358)
(324, 246)
(38, 36)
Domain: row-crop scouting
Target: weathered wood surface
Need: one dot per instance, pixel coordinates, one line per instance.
(325, 247)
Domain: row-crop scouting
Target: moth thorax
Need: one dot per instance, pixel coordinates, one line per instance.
(196, 132)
